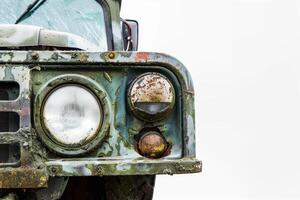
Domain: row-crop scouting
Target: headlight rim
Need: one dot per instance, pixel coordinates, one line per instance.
(44, 134)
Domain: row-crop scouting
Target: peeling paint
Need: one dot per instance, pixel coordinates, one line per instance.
(116, 154)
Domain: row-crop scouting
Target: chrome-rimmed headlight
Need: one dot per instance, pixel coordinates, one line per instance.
(151, 96)
(72, 114)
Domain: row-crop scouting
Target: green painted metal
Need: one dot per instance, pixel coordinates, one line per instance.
(109, 76)
(116, 154)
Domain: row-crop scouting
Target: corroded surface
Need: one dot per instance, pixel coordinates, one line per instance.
(152, 88)
(21, 105)
(151, 97)
(117, 154)
(123, 167)
(152, 145)
(23, 178)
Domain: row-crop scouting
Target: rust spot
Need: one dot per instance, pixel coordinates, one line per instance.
(111, 55)
(22, 178)
(152, 145)
(82, 57)
(152, 88)
(151, 96)
(141, 56)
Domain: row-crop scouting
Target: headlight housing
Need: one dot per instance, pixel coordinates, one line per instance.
(72, 114)
(151, 96)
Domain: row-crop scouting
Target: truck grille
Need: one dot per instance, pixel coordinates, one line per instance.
(9, 90)
(14, 113)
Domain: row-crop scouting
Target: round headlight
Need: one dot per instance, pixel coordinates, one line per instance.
(72, 115)
(151, 96)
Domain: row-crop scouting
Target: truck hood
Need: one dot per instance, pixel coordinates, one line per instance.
(29, 36)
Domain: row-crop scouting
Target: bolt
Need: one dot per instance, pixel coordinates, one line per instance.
(99, 171)
(35, 55)
(74, 55)
(53, 170)
(111, 55)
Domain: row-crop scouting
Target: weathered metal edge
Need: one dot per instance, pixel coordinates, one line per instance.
(123, 167)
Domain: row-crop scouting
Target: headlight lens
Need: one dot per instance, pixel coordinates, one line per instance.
(152, 145)
(72, 114)
(151, 96)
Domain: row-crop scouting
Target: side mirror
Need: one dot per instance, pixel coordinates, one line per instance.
(130, 32)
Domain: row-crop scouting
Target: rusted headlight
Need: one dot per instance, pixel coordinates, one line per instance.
(151, 96)
(152, 145)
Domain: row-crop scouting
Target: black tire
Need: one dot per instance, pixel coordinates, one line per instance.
(91, 188)
(110, 188)
(84, 188)
(129, 187)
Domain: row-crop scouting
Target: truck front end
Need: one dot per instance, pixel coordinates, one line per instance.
(79, 105)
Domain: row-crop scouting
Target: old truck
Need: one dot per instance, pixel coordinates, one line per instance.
(83, 114)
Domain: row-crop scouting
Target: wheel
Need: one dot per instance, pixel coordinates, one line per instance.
(89, 188)
(110, 188)
(84, 188)
(129, 187)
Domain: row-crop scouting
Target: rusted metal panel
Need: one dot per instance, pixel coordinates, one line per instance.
(117, 156)
(144, 59)
(122, 58)
(23, 178)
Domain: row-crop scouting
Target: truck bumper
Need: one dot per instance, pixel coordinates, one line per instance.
(24, 177)
(123, 167)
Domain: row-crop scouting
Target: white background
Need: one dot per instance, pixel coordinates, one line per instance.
(244, 57)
